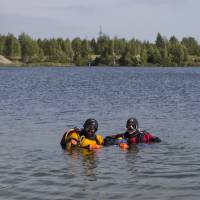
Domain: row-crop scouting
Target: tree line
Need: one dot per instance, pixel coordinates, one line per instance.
(101, 51)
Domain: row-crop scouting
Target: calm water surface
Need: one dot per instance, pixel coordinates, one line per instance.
(37, 104)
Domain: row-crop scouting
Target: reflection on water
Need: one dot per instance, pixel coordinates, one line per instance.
(89, 160)
(36, 104)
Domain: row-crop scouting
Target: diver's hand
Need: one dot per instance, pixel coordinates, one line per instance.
(74, 142)
(95, 146)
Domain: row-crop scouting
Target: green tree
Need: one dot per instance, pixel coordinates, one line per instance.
(173, 40)
(29, 48)
(178, 54)
(93, 46)
(135, 60)
(85, 51)
(77, 48)
(143, 56)
(68, 50)
(125, 59)
(65, 50)
(165, 58)
(2, 44)
(107, 59)
(120, 46)
(53, 51)
(104, 45)
(157, 56)
(134, 47)
(12, 48)
(160, 42)
(41, 56)
(192, 45)
(154, 55)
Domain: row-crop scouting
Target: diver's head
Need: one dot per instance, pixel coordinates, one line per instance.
(90, 127)
(132, 124)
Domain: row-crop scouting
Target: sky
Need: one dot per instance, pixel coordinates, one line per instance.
(140, 19)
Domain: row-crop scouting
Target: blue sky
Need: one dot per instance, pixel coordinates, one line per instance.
(141, 19)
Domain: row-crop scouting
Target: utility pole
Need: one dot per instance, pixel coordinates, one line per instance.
(100, 32)
(100, 40)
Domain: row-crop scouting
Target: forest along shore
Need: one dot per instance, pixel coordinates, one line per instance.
(101, 51)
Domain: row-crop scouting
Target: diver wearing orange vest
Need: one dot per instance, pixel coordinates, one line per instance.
(85, 137)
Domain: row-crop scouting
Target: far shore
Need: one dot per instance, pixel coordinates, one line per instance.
(21, 65)
(5, 62)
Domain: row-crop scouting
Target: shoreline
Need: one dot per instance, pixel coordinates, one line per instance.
(5, 62)
(21, 65)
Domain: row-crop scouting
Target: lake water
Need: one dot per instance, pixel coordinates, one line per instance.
(38, 104)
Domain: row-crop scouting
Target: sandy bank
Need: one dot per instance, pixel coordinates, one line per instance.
(4, 61)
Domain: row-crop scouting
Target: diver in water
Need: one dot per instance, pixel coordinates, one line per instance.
(132, 135)
(85, 137)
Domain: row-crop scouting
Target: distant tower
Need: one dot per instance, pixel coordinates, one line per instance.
(100, 32)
